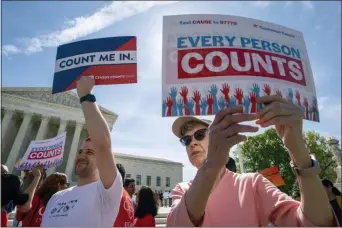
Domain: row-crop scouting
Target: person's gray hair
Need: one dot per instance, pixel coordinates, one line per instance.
(188, 126)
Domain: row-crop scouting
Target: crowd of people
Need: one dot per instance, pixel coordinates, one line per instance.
(36, 191)
(217, 196)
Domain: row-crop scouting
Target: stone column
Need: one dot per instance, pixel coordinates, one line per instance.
(44, 125)
(6, 122)
(73, 150)
(62, 126)
(19, 139)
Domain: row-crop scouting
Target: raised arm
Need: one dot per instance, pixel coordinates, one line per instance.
(288, 121)
(31, 190)
(188, 210)
(99, 133)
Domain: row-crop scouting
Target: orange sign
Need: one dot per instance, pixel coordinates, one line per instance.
(273, 175)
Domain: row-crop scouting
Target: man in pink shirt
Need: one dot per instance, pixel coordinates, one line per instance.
(218, 197)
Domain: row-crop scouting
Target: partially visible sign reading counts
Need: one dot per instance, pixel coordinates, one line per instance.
(47, 152)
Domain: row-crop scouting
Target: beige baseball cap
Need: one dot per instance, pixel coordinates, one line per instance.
(180, 121)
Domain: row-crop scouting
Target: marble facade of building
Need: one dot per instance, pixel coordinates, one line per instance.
(160, 174)
(32, 113)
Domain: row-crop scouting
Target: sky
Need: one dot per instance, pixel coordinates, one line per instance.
(31, 31)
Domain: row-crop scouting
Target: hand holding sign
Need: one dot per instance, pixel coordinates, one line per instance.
(287, 118)
(37, 171)
(224, 134)
(85, 85)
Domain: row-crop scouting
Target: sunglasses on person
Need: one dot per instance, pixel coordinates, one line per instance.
(199, 135)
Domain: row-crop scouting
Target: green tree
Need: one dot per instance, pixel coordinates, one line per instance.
(295, 189)
(265, 150)
(319, 146)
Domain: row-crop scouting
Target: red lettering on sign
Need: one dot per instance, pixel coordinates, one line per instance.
(201, 22)
(38, 155)
(215, 62)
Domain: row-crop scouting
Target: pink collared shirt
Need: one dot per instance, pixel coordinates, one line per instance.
(240, 200)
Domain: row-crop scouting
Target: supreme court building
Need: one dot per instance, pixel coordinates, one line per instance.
(34, 113)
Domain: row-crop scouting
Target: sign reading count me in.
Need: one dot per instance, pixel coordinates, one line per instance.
(110, 60)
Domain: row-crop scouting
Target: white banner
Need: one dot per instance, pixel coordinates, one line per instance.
(47, 152)
(214, 61)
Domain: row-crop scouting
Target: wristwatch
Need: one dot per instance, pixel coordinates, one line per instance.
(313, 170)
(89, 97)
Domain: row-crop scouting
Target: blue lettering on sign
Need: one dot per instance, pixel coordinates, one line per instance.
(230, 40)
(274, 30)
(255, 44)
(181, 42)
(276, 47)
(267, 46)
(194, 43)
(124, 56)
(103, 58)
(69, 62)
(246, 42)
(62, 64)
(216, 40)
(185, 22)
(206, 41)
(76, 61)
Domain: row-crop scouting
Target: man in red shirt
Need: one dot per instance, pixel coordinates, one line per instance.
(125, 216)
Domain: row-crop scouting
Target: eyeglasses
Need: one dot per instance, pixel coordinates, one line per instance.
(199, 135)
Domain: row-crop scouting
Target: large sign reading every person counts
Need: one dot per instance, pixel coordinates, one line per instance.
(214, 61)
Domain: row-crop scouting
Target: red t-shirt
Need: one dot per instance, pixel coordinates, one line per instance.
(146, 221)
(33, 217)
(4, 218)
(125, 216)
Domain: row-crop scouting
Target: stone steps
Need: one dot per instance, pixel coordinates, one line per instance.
(11, 215)
(160, 222)
(160, 218)
(10, 223)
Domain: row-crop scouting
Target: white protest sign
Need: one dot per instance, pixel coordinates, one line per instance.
(111, 60)
(210, 61)
(47, 152)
